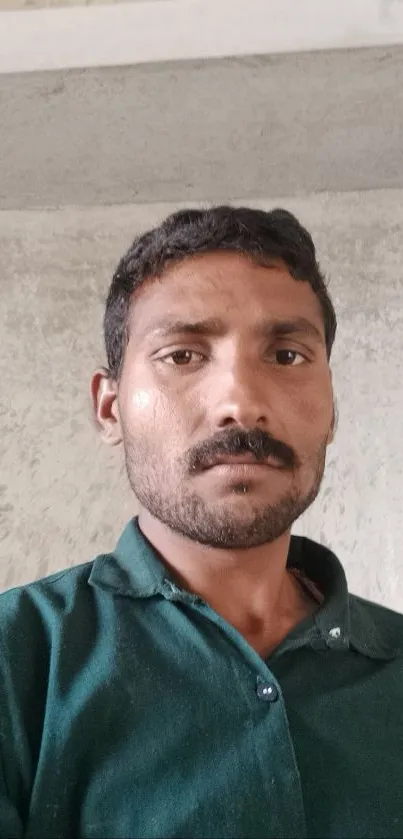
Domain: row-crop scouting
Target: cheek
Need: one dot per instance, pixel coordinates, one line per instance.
(316, 432)
(307, 420)
(137, 408)
(314, 416)
(149, 411)
(141, 400)
(315, 404)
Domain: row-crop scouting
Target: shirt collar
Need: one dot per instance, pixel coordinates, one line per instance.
(135, 570)
(339, 623)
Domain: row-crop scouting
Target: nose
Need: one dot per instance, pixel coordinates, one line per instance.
(241, 400)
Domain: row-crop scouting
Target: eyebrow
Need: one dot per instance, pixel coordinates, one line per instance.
(213, 327)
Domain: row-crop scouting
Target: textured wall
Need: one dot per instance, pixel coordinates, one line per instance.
(203, 130)
(64, 497)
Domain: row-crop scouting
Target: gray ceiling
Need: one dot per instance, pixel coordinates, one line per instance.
(203, 130)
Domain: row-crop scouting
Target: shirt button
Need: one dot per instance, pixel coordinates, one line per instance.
(267, 691)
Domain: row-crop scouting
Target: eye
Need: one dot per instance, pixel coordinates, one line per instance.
(283, 358)
(181, 358)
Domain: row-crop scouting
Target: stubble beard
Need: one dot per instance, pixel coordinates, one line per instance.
(217, 524)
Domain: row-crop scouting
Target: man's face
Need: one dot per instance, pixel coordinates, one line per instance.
(206, 377)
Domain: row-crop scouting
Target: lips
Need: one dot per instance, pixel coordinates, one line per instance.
(247, 459)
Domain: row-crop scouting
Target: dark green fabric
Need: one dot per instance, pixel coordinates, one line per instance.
(129, 708)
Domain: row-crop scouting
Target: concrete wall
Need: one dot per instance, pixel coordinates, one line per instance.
(64, 497)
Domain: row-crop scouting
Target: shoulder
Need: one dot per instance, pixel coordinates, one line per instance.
(35, 622)
(34, 609)
(38, 622)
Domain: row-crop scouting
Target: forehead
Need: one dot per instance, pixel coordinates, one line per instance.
(223, 285)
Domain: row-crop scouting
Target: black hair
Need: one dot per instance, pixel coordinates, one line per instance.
(266, 237)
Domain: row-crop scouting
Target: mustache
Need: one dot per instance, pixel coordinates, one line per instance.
(261, 444)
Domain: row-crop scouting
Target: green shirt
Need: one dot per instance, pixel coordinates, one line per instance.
(130, 708)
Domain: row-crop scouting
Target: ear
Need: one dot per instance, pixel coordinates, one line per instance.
(104, 397)
(335, 422)
(335, 418)
(331, 434)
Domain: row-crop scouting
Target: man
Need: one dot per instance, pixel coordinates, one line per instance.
(212, 677)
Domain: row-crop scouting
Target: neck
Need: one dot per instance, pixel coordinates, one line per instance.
(250, 588)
